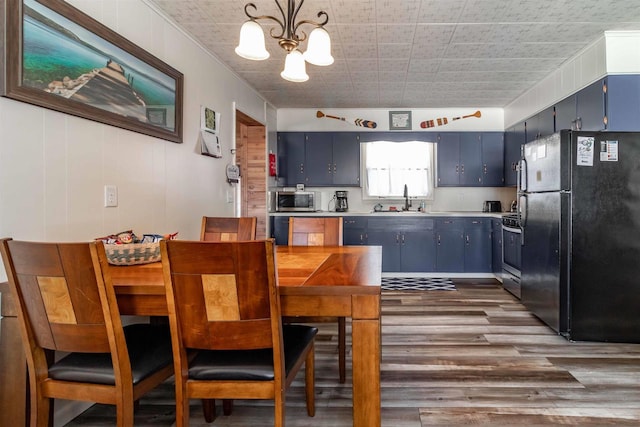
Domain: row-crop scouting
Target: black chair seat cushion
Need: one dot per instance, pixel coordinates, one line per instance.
(149, 349)
(251, 365)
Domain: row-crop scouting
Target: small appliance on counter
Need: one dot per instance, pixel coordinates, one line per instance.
(514, 206)
(294, 201)
(492, 206)
(342, 205)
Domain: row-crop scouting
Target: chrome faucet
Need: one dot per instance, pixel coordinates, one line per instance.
(407, 203)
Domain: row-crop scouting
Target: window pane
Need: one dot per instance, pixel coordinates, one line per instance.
(392, 165)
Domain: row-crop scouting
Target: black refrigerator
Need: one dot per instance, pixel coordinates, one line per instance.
(579, 207)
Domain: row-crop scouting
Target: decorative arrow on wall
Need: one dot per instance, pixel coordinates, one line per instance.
(441, 121)
(358, 122)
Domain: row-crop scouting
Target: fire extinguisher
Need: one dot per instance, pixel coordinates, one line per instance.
(272, 164)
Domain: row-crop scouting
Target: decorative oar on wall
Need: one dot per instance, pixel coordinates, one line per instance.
(441, 121)
(358, 122)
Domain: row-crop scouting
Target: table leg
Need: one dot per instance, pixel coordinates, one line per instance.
(366, 372)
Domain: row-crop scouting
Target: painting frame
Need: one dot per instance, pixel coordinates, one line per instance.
(400, 120)
(107, 94)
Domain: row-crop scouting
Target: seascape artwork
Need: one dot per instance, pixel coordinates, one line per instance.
(65, 59)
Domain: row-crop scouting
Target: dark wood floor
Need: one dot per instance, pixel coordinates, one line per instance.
(474, 356)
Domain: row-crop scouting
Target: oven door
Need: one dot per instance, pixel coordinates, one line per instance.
(511, 259)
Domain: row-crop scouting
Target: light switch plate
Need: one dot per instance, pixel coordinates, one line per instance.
(110, 196)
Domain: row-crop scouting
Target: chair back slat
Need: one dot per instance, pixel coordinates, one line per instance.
(57, 287)
(222, 292)
(315, 231)
(221, 229)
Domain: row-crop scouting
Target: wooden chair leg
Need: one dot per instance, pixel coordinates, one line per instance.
(227, 406)
(209, 409)
(342, 348)
(309, 382)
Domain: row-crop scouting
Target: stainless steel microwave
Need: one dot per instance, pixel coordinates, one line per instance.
(294, 201)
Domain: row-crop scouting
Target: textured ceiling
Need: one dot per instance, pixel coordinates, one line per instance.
(412, 53)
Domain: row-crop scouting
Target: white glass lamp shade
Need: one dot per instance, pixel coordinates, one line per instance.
(294, 67)
(319, 48)
(251, 44)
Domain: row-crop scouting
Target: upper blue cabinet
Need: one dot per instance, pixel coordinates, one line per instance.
(319, 158)
(470, 159)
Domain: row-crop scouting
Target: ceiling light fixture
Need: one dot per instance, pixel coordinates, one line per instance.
(318, 52)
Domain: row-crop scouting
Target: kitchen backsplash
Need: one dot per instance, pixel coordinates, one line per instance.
(446, 199)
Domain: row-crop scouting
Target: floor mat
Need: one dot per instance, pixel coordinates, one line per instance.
(417, 284)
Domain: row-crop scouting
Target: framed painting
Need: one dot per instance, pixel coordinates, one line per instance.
(59, 58)
(400, 120)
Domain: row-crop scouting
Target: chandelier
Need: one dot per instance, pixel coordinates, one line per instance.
(318, 52)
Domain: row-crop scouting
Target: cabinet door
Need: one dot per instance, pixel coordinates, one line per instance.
(566, 113)
(496, 242)
(346, 158)
(450, 245)
(319, 158)
(354, 230)
(477, 251)
(470, 159)
(590, 106)
(448, 159)
(493, 159)
(390, 242)
(418, 251)
(531, 128)
(623, 102)
(291, 158)
(513, 140)
(280, 230)
(547, 121)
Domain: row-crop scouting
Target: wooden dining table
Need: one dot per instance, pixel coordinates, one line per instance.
(340, 281)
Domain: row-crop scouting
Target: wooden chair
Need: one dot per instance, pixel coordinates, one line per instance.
(226, 328)
(321, 232)
(225, 229)
(216, 229)
(66, 302)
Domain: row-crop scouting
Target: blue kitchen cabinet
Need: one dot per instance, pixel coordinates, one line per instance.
(492, 159)
(477, 245)
(450, 245)
(566, 113)
(448, 159)
(346, 159)
(514, 138)
(408, 244)
(542, 124)
(323, 159)
(318, 158)
(354, 230)
(623, 102)
(590, 106)
(291, 158)
(470, 159)
(280, 229)
(496, 242)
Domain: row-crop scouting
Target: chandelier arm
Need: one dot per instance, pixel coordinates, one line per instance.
(314, 23)
(269, 17)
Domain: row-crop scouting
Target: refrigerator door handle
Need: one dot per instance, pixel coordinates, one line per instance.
(523, 209)
(523, 182)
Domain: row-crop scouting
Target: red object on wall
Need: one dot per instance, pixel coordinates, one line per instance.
(272, 164)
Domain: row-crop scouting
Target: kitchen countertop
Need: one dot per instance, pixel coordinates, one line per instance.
(395, 214)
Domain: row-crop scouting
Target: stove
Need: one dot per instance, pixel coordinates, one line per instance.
(511, 253)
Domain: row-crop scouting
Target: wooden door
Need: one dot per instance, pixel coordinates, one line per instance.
(251, 157)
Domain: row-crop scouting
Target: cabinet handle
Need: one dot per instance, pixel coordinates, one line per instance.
(462, 169)
(403, 239)
(301, 167)
(484, 169)
(329, 167)
(334, 168)
(438, 240)
(457, 168)
(467, 238)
